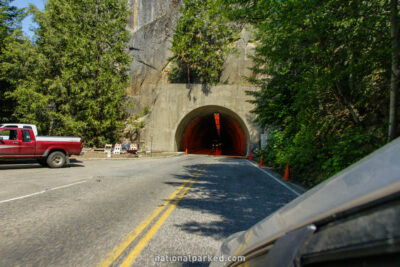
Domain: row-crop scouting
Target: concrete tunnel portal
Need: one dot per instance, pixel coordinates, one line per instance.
(198, 132)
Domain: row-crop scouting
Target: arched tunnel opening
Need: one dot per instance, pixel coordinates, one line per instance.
(199, 133)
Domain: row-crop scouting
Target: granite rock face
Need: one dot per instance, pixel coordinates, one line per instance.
(152, 24)
(147, 11)
(236, 67)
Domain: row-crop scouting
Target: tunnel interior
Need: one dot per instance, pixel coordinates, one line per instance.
(199, 135)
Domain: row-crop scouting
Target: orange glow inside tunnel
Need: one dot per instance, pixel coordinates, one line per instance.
(202, 136)
(216, 117)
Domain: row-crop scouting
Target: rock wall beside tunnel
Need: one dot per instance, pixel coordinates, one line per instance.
(178, 106)
(152, 24)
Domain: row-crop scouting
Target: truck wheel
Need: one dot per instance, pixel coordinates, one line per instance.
(42, 162)
(56, 159)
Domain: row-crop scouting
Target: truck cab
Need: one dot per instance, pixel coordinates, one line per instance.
(20, 125)
(17, 142)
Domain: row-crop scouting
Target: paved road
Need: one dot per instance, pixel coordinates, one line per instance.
(129, 212)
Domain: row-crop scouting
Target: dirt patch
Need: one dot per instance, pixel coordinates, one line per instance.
(91, 154)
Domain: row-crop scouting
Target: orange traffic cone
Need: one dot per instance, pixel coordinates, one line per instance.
(286, 177)
(251, 156)
(186, 151)
(261, 162)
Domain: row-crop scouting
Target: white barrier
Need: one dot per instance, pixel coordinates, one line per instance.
(117, 149)
(133, 147)
(107, 148)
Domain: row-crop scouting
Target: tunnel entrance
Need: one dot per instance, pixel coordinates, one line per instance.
(212, 130)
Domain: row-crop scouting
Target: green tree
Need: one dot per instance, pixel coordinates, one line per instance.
(324, 72)
(395, 72)
(79, 70)
(200, 43)
(10, 18)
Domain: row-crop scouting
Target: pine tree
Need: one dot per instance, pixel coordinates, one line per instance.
(80, 70)
(10, 18)
(324, 72)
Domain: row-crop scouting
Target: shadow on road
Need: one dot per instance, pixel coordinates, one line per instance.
(32, 164)
(238, 193)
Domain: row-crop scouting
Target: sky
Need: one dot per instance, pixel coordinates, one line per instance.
(27, 23)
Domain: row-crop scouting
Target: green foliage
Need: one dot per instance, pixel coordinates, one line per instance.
(352, 145)
(324, 69)
(10, 17)
(201, 41)
(135, 124)
(133, 118)
(146, 111)
(74, 78)
(10, 33)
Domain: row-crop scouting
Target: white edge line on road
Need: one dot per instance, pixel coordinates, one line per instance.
(277, 180)
(41, 192)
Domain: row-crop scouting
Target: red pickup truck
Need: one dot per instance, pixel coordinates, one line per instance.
(19, 143)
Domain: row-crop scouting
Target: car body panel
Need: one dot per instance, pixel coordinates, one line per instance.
(27, 145)
(372, 178)
(9, 145)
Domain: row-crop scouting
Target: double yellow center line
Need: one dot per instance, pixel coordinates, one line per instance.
(116, 253)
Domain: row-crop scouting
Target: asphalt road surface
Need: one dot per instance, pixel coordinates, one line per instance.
(130, 212)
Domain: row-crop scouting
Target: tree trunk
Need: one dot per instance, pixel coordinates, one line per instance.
(394, 81)
(188, 73)
(347, 104)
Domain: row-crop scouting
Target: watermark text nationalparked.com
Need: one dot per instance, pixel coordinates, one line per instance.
(198, 258)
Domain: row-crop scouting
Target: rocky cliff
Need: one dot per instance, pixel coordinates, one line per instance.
(152, 25)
